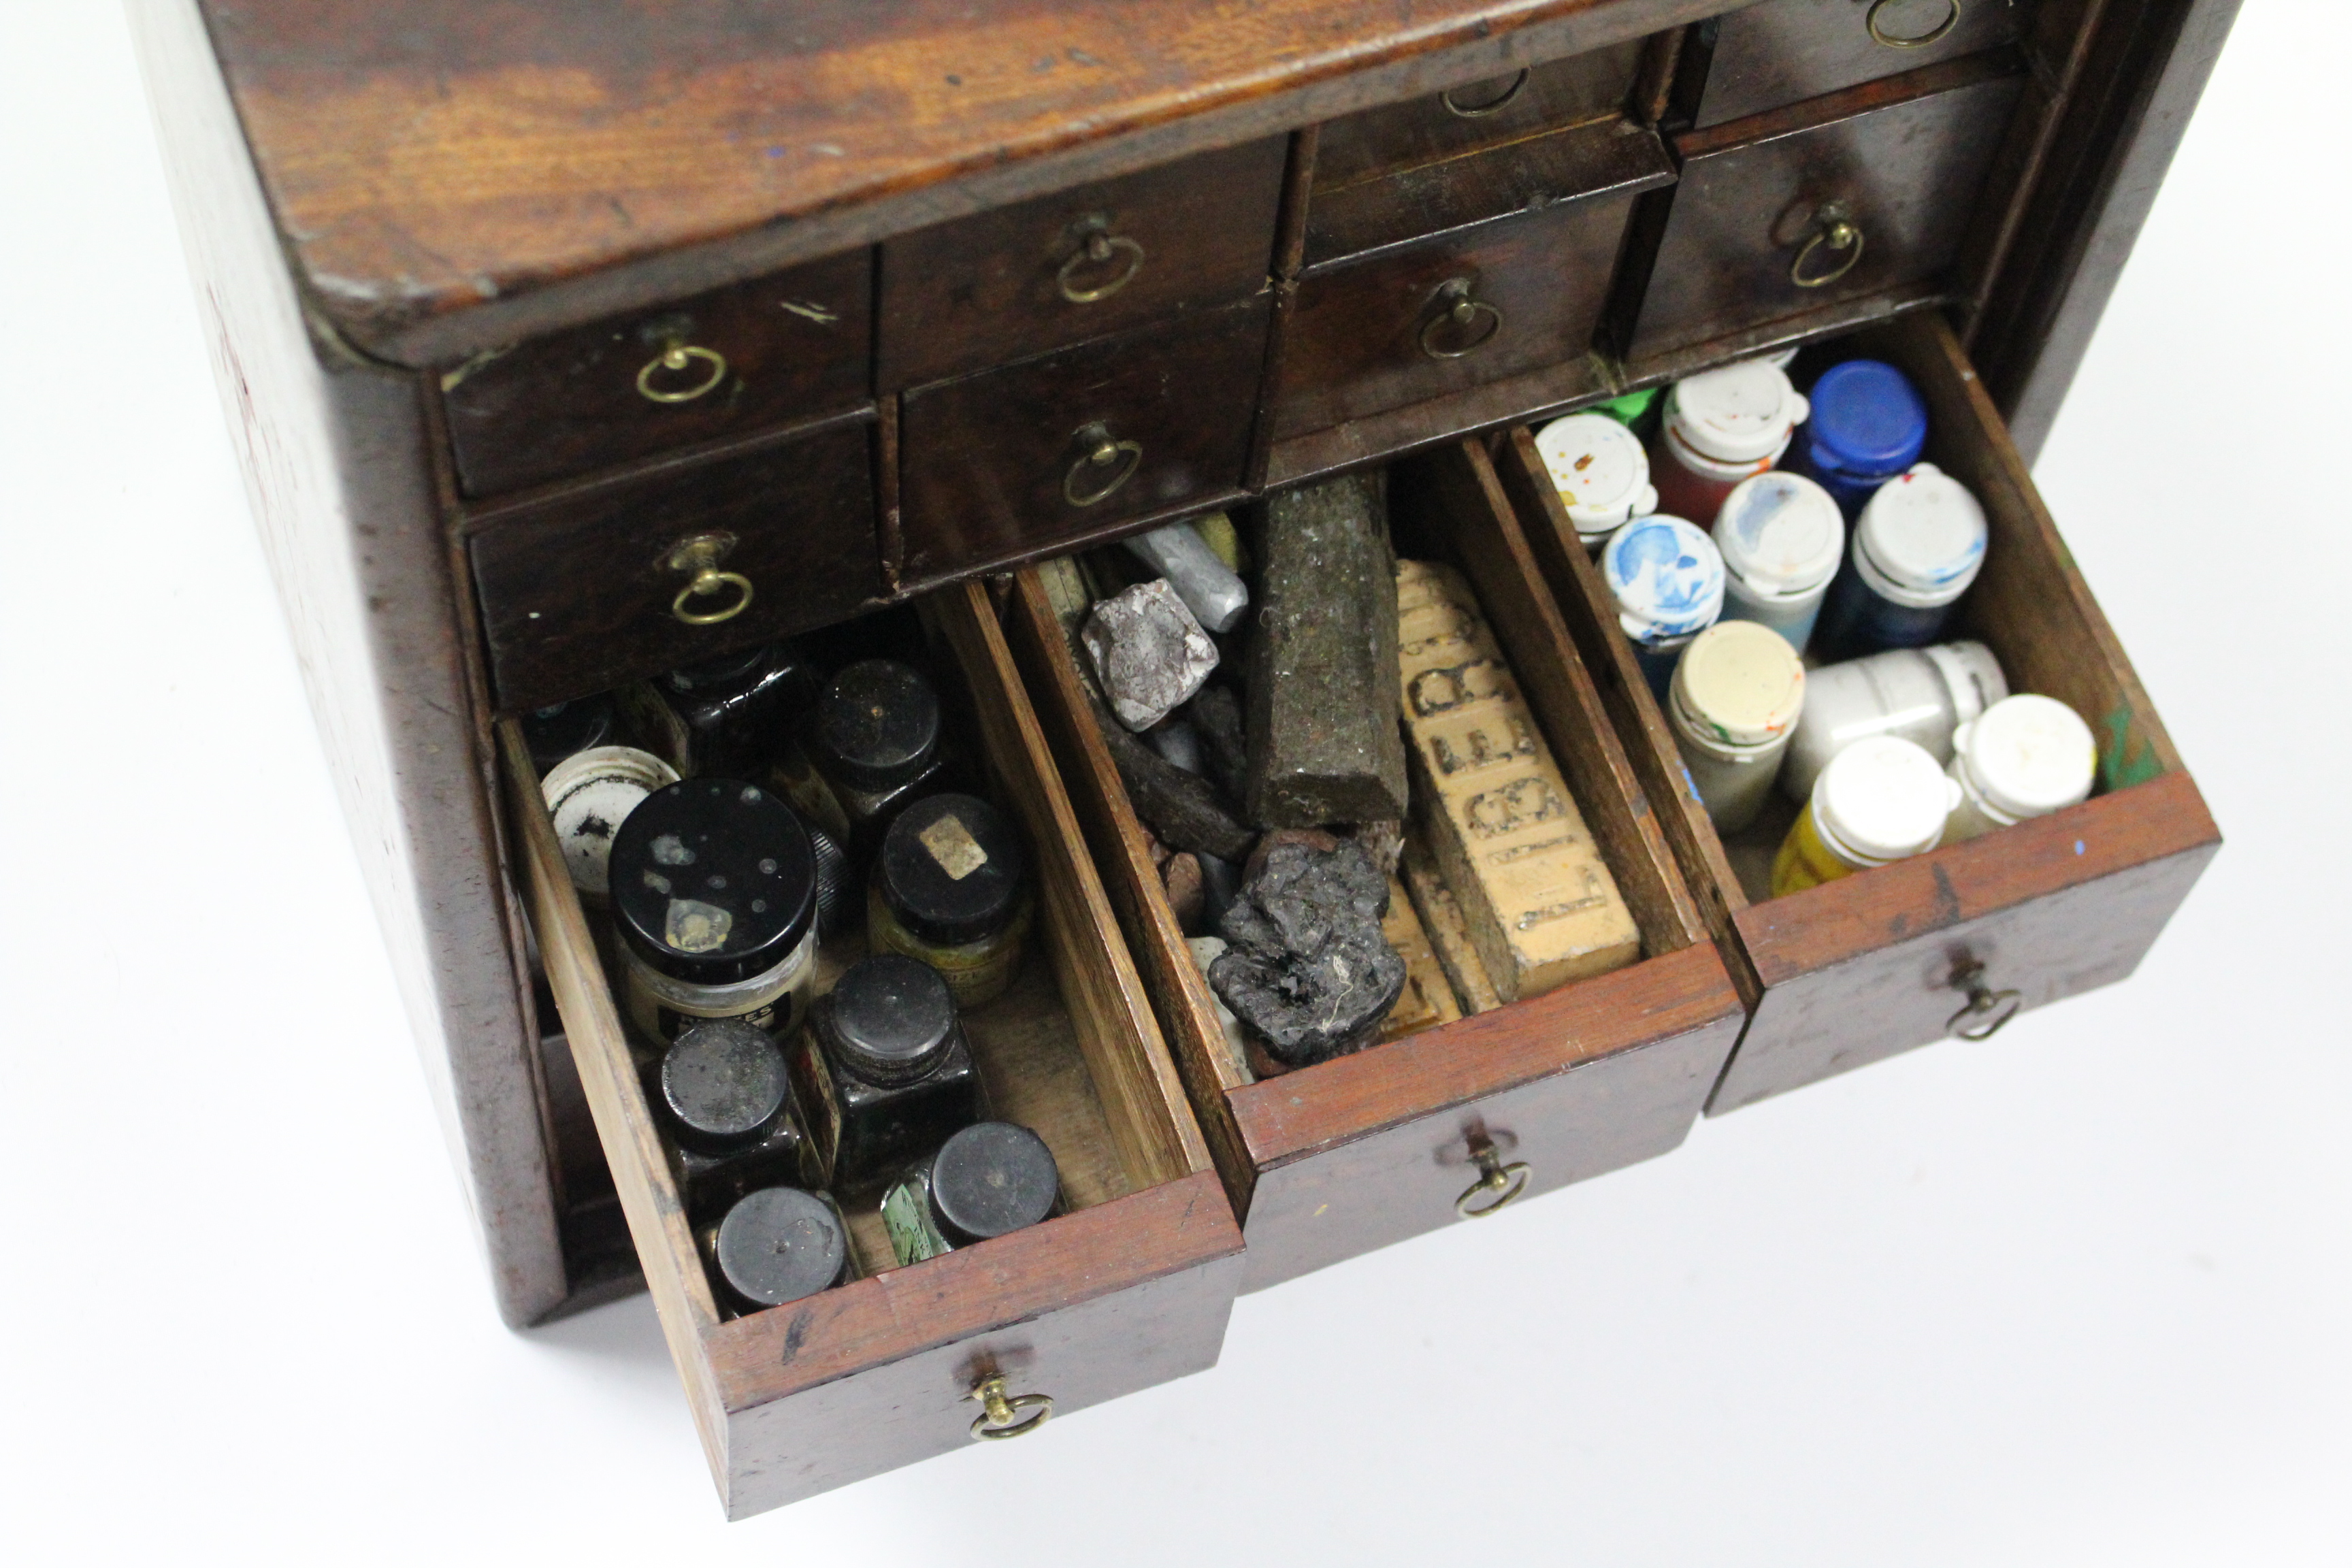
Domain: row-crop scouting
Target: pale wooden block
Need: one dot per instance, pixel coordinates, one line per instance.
(1428, 999)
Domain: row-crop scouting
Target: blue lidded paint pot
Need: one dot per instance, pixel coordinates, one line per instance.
(1869, 423)
(1919, 544)
(1666, 577)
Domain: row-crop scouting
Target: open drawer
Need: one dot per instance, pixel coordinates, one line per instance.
(1956, 940)
(1129, 1285)
(1353, 1153)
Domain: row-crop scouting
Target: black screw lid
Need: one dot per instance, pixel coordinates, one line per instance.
(567, 728)
(950, 868)
(779, 1245)
(877, 723)
(728, 670)
(990, 1178)
(889, 1019)
(713, 881)
(723, 1082)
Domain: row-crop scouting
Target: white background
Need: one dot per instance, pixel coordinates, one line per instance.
(2075, 1296)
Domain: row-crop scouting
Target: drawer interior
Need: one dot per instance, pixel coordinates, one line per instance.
(1070, 1050)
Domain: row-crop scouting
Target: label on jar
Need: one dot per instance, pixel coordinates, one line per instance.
(951, 844)
(812, 1081)
(908, 1217)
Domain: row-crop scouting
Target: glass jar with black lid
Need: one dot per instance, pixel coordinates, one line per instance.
(724, 1094)
(713, 885)
(729, 716)
(871, 746)
(950, 888)
(562, 730)
(885, 1069)
(777, 1245)
(988, 1180)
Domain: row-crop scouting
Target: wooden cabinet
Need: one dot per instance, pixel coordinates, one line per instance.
(1952, 942)
(1781, 52)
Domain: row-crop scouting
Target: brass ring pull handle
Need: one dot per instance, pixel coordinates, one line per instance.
(1493, 105)
(1987, 1009)
(699, 557)
(1935, 35)
(1101, 246)
(1000, 1417)
(1101, 468)
(674, 359)
(1460, 311)
(1503, 1182)
(1836, 231)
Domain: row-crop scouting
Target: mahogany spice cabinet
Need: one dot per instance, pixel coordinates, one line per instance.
(564, 343)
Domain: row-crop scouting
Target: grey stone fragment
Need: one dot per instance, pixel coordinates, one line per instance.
(1177, 742)
(1217, 598)
(1220, 884)
(1148, 652)
(1182, 808)
(1323, 687)
(1306, 968)
(1215, 715)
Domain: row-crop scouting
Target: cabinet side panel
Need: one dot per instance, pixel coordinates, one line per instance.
(333, 458)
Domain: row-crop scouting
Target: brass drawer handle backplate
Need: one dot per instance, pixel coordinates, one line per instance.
(1102, 466)
(1099, 247)
(674, 359)
(1493, 105)
(1501, 1182)
(1935, 35)
(1458, 311)
(1835, 228)
(699, 557)
(1000, 1417)
(1987, 1009)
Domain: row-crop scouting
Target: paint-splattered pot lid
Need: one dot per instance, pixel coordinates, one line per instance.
(714, 881)
(1738, 413)
(2027, 756)
(1600, 469)
(1780, 533)
(1666, 576)
(1921, 540)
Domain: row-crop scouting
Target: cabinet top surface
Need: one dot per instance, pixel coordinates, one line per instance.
(434, 160)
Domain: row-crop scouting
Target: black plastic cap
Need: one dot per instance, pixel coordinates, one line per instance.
(779, 1245)
(567, 729)
(888, 1019)
(713, 881)
(991, 1177)
(723, 673)
(951, 869)
(877, 723)
(723, 1083)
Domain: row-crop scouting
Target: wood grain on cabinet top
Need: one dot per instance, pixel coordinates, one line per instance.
(449, 174)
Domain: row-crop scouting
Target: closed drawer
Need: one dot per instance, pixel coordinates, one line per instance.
(1021, 460)
(1783, 51)
(1469, 308)
(1131, 1287)
(582, 591)
(1043, 274)
(1877, 193)
(1856, 970)
(724, 363)
(1361, 1151)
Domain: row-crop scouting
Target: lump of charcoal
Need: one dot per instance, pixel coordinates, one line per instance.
(1181, 808)
(1148, 652)
(1215, 715)
(1306, 966)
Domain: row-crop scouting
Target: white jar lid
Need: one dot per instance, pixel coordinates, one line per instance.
(1737, 414)
(1740, 683)
(589, 795)
(2027, 756)
(1600, 469)
(1666, 576)
(1883, 798)
(1921, 537)
(1780, 533)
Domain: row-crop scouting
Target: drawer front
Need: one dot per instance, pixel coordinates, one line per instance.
(1754, 232)
(1784, 51)
(1391, 329)
(585, 591)
(728, 363)
(1061, 270)
(1005, 464)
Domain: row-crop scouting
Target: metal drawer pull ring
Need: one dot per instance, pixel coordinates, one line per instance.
(1000, 1417)
(1987, 1009)
(1935, 35)
(1838, 232)
(1121, 457)
(702, 556)
(1101, 246)
(1480, 110)
(1462, 311)
(676, 358)
(1507, 1182)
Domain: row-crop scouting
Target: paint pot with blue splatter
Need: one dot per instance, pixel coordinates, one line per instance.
(1601, 473)
(1919, 544)
(1868, 425)
(1666, 577)
(2024, 756)
(1782, 539)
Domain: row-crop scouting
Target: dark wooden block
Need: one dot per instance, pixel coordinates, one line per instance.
(1783, 51)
